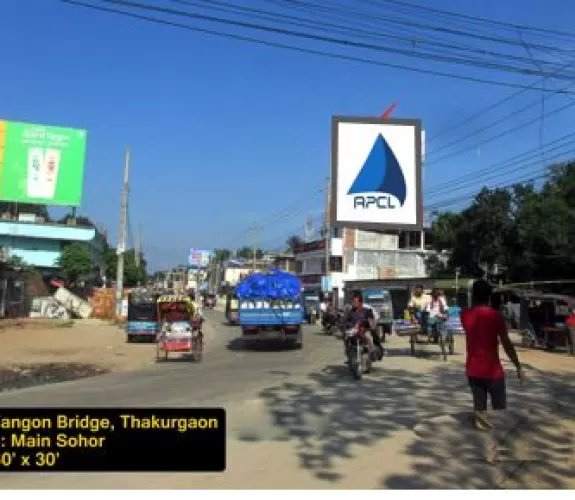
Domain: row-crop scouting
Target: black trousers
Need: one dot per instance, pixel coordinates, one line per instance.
(482, 387)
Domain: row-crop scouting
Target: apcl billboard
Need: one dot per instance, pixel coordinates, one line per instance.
(40, 164)
(376, 173)
(199, 258)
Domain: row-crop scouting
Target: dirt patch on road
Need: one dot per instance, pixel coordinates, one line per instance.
(28, 375)
(34, 353)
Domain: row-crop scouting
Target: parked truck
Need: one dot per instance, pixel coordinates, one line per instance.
(271, 308)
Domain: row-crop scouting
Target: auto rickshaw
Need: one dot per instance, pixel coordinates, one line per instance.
(232, 308)
(142, 320)
(180, 328)
(539, 317)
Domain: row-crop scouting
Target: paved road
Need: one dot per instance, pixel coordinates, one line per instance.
(229, 369)
(296, 419)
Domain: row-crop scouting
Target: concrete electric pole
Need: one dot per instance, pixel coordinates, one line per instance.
(255, 247)
(327, 228)
(122, 236)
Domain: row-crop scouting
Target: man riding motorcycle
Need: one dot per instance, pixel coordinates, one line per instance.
(360, 314)
(328, 316)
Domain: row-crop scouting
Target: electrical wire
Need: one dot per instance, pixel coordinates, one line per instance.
(481, 20)
(332, 40)
(504, 165)
(323, 53)
(499, 135)
(324, 26)
(327, 7)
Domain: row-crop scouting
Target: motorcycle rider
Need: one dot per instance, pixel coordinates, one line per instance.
(327, 315)
(359, 314)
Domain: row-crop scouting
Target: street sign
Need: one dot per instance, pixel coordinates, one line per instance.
(376, 173)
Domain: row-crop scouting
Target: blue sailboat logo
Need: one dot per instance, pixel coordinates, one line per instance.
(380, 173)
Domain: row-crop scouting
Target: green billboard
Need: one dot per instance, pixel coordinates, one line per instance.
(40, 164)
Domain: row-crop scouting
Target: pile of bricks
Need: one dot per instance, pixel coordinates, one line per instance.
(103, 302)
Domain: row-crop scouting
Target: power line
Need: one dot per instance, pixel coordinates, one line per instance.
(322, 53)
(478, 19)
(522, 167)
(327, 7)
(499, 135)
(514, 160)
(331, 40)
(286, 19)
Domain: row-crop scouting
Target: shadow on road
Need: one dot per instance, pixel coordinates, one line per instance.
(239, 344)
(330, 414)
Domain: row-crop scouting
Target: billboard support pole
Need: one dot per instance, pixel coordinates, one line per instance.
(122, 236)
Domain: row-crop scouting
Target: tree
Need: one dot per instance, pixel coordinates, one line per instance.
(133, 274)
(222, 254)
(293, 242)
(76, 260)
(527, 232)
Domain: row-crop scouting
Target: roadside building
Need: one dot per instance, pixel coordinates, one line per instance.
(39, 244)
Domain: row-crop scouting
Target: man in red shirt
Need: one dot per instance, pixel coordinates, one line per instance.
(484, 328)
(570, 325)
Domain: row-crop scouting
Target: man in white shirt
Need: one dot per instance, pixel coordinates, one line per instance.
(437, 310)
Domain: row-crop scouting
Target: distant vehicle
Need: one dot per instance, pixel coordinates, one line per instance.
(263, 315)
(142, 316)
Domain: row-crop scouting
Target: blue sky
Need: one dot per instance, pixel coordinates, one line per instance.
(226, 133)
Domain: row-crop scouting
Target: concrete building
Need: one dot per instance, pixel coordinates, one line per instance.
(40, 244)
(359, 255)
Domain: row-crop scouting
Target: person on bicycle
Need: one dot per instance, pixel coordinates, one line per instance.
(359, 314)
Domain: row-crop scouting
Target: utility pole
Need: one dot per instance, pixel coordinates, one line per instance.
(255, 247)
(122, 235)
(327, 228)
(137, 248)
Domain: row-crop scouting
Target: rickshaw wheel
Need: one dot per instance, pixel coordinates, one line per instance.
(412, 342)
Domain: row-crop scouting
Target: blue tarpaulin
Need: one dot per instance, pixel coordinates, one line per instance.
(275, 285)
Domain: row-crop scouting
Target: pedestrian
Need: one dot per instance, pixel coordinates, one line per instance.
(484, 328)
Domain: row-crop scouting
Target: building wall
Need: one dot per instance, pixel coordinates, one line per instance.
(36, 252)
(40, 245)
(233, 275)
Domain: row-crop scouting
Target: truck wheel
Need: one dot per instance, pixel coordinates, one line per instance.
(299, 341)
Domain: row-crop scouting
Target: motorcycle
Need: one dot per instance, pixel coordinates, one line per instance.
(329, 322)
(361, 352)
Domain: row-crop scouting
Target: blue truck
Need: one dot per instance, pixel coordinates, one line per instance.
(271, 308)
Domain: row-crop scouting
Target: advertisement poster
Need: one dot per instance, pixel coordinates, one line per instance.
(199, 258)
(40, 164)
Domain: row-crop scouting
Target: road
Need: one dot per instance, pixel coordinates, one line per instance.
(296, 419)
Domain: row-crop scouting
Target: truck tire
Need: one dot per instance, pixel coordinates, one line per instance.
(299, 340)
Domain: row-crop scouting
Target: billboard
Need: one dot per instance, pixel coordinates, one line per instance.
(199, 258)
(40, 164)
(376, 174)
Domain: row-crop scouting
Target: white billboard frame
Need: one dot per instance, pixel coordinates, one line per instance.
(357, 141)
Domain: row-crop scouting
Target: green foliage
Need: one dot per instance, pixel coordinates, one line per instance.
(76, 260)
(528, 232)
(133, 273)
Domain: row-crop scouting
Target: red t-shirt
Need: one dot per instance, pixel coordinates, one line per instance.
(482, 325)
(570, 321)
